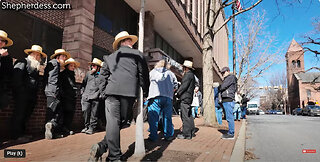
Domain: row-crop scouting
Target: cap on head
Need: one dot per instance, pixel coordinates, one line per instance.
(224, 69)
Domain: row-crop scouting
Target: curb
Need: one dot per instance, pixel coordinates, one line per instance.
(239, 147)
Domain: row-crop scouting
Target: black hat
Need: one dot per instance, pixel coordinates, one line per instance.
(224, 69)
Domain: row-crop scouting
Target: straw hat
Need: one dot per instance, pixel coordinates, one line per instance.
(96, 62)
(71, 60)
(4, 36)
(188, 64)
(35, 48)
(60, 52)
(121, 36)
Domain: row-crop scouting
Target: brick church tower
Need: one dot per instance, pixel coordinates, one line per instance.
(295, 64)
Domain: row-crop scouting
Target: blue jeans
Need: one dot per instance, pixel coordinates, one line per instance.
(195, 111)
(156, 106)
(219, 115)
(237, 111)
(243, 112)
(228, 108)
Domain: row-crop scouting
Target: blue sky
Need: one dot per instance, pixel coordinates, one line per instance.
(287, 23)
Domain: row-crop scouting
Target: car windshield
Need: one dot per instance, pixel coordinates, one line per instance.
(313, 107)
(252, 105)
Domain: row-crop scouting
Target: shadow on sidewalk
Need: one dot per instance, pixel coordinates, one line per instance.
(223, 131)
(154, 150)
(9, 143)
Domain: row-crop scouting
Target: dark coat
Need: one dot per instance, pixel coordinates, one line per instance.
(244, 101)
(123, 72)
(68, 85)
(228, 88)
(6, 68)
(25, 78)
(90, 86)
(51, 78)
(186, 90)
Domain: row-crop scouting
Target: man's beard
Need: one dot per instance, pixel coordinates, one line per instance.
(35, 64)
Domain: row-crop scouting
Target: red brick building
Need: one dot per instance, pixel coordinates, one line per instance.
(173, 28)
(301, 84)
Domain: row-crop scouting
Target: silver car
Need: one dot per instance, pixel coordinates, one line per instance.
(315, 111)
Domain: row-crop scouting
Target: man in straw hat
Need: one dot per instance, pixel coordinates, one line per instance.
(185, 93)
(122, 73)
(90, 97)
(228, 89)
(25, 86)
(68, 95)
(6, 68)
(52, 90)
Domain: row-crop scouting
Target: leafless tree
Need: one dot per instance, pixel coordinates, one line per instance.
(312, 40)
(214, 9)
(276, 94)
(256, 52)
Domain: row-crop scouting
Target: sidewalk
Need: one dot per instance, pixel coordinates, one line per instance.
(206, 146)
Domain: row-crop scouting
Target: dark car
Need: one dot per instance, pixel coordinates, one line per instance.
(311, 110)
(297, 111)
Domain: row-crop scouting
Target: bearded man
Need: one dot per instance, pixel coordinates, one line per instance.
(25, 86)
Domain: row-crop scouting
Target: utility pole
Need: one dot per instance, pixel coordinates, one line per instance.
(139, 149)
(234, 38)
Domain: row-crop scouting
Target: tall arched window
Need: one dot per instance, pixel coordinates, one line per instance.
(298, 64)
(294, 63)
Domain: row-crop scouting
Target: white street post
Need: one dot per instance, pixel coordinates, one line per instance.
(139, 145)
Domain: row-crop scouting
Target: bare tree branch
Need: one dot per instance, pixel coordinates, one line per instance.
(234, 15)
(314, 51)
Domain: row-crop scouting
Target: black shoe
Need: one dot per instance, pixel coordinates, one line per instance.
(48, 133)
(169, 138)
(227, 136)
(84, 130)
(181, 136)
(95, 153)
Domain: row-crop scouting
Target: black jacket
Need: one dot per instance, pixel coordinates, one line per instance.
(68, 84)
(90, 86)
(123, 72)
(6, 68)
(228, 88)
(244, 101)
(25, 78)
(51, 78)
(186, 90)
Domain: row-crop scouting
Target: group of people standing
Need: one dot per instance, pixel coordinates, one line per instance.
(60, 89)
(115, 82)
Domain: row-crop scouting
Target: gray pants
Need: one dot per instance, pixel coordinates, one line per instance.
(118, 115)
(187, 119)
(90, 113)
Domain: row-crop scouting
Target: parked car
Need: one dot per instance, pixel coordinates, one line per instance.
(260, 112)
(279, 112)
(271, 112)
(252, 108)
(311, 110)
(297, 111)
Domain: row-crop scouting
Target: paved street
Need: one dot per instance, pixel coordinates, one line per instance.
(282, 138)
